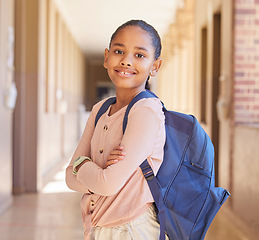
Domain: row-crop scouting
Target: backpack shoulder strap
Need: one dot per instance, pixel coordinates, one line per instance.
(112, 100)
(141, 95)
(104, 108)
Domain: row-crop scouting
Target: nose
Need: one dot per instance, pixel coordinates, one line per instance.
(124, 63)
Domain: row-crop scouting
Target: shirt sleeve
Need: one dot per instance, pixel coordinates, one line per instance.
(83, 149)
(144, 123)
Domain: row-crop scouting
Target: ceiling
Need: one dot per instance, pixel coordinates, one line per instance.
(93, 22)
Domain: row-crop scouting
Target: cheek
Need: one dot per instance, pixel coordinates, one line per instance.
(148, 68)
(111, 62)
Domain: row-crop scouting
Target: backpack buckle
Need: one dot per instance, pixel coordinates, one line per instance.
(149, 175)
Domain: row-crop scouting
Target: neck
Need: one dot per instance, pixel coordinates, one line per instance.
(123, 98)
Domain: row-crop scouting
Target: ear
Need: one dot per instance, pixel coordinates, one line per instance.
(156, 65)
(106, 52)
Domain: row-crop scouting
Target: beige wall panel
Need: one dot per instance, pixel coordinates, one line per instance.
(176, 79)
(191, 79)
(52, 53)
(246, 171)
(179, 83)
(96, 73)
(43, 91)
(6, 115)
(226, 85)
(49, 122)
(58, 127)
(184, 69)
(205, 19)
(65, 70)
(26, 76)
(169, 82)
(200, 22)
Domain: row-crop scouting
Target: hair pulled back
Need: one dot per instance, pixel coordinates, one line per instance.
(156, 41)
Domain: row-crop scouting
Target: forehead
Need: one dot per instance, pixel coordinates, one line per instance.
(133, 35)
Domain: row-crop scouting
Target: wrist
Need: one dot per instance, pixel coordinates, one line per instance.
(79, 162)
(80, 165)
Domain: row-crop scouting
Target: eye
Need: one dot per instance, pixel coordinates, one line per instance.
(118, 52)
(139, 55)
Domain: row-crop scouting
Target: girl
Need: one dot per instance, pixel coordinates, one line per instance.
(117, 203)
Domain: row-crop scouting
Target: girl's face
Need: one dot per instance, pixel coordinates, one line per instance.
(131, 59)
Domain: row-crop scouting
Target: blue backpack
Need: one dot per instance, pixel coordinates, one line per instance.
(184, 189)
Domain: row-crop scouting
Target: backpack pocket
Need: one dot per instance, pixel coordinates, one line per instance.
(188, 191)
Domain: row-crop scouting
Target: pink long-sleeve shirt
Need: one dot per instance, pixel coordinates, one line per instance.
(121, 193)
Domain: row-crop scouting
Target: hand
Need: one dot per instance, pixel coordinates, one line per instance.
(116, 155)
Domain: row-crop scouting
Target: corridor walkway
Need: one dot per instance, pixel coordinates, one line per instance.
(54, 214)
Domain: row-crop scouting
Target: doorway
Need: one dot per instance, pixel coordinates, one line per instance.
(215, 88)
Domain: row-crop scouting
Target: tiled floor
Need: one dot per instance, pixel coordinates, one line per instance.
(54, 214)
(223, 229)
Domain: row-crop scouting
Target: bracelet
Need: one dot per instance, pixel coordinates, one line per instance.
(78, 161)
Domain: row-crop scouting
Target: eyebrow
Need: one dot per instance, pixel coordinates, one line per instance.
(122, 45)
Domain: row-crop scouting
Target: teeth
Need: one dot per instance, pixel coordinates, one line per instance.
(126, 73)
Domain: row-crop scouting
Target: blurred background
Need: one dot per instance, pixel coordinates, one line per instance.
(51, 74)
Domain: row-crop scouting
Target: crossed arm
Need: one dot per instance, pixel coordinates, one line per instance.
(138, 142)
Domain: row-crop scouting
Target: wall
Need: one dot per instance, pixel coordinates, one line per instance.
(25, 112)
(224, 91)
(245, 193)
(96, 76)
(237, 100)
(62, 84)
(246, 62)
(246, 113)
(50, 77)
(175, 80)
(216, 78)
(6, 115)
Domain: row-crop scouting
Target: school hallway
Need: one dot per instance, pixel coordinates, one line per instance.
(54, 214)
(52, 73)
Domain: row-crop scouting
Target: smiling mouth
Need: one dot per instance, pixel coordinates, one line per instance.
(125, 72)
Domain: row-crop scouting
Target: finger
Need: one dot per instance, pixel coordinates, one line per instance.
(115, 157)
(111, 162)
(120, 148)
(118, 152)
